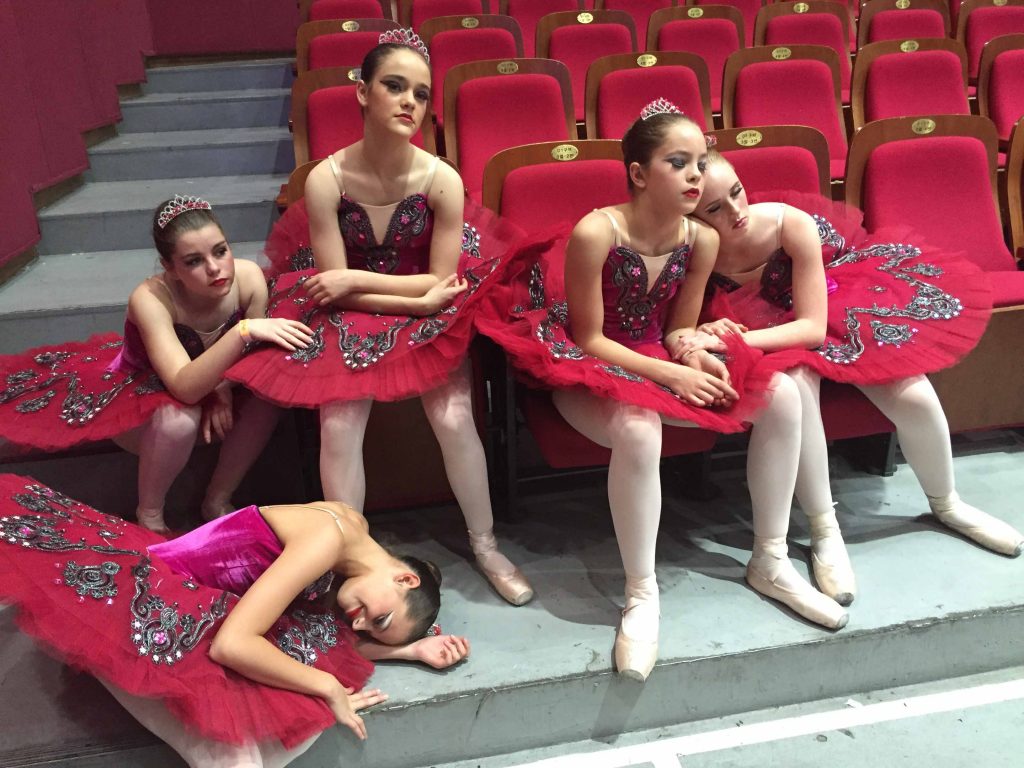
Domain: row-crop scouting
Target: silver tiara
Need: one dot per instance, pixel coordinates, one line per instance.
(407, 38)
(659, 107)
(178, 206)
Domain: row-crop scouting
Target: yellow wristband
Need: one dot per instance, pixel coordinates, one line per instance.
(243, 330)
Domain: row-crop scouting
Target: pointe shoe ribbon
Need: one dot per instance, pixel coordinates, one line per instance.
(981, 527)
(634, 659)
(808, 602)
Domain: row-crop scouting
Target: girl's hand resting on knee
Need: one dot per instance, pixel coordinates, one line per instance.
(344, 704)
(289, 334)
(443, 293)
(440, 651)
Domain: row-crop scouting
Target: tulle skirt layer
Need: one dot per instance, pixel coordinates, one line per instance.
(357, 355)
(896, 307)
(86, 588)
(528, 317)
(57, 396)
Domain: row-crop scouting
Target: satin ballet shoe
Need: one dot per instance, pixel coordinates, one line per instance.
(981, 527)
(802, 597)
(513, 587)
(836, 580)
(830, 561)
(634, 659)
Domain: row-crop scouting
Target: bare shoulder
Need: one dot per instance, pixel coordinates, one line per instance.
(703, 232)
(594, 230)
(321, 183)
(150, 299)
(799, 231)
(446, 181)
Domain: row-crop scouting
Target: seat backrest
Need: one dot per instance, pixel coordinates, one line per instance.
(748, 10)
(326, 116)
(577, 38)
(320, 10)
(896, 78)
(786, 85)
(337, 42)
(777, 157)
(412, 13)
(484, 110)
(529, 12)
(898, 174)
(981, 20)
(621, 85)
(815, 22)
(1001, 82)
(459, 39)
(540, 185)
(639, 10)
(902, 20)
(1015, 187)
(712, 32)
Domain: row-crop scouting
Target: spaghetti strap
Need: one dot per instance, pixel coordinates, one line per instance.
(337, 173)
(430, 176)
(689, 229)
(615, 226)
(333, 515)
(778, 225)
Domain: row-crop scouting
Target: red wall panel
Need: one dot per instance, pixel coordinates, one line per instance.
(189, 27)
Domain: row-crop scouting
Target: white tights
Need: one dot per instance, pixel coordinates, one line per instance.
(634, 484)
(449, 409)
(166, 442)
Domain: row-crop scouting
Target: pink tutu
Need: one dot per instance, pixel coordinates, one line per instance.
(88, 590)
(896, 308)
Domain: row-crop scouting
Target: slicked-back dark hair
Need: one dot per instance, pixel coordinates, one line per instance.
(646, 135)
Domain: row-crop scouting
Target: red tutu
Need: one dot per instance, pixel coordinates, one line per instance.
(528, 316)
(356, 355)
(61, 395)
(87, 590)
(896, 308)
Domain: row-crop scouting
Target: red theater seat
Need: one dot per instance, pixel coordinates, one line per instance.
(981, 20)
(902, 20)
(483, 103)
(1001, 83)
(897, 78)
(529, 12)
(320, 10)
(713, 32)
(777, 157)
(639, 10)
(337, 42)
(748, 10)
(577, 39)
(787, 85)
(620, 86)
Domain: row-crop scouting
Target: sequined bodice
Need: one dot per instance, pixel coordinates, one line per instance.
(632, 313)
(776, 280)
(405, 247)
(777, 277)
(133, 353)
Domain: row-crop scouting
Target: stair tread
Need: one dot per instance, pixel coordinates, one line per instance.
(106, 196)
(178, 98)
(191, 138)
(225, 65)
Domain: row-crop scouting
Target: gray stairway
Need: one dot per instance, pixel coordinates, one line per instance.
(215, 130)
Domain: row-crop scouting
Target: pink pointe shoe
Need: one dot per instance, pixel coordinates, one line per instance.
(830, 561)
(770, 573)
(153, 520)
(507, 580)
(981, 527)
(635, 658)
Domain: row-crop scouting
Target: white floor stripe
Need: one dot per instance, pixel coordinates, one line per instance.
(665, 754)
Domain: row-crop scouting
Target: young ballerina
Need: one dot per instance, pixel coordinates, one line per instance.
(227, 640)
(390, 302)
(828, 300)
(634, 277)
(161, 386)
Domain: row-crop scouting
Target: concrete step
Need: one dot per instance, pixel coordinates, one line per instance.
(227, 76)
(930, 606)
(68, 297)
(118, 215)
(958, 723)
(184, 154)
(203, 110)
